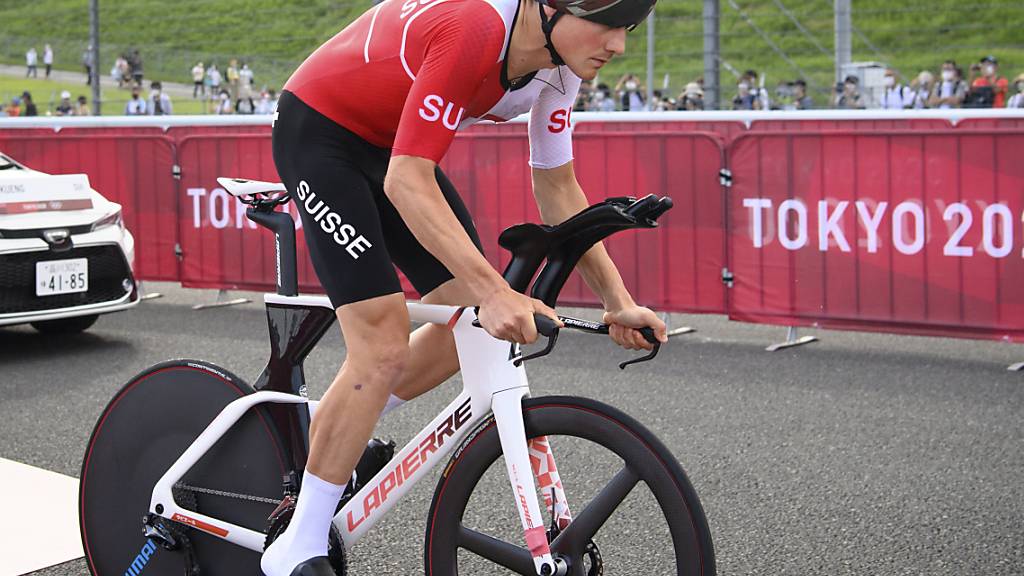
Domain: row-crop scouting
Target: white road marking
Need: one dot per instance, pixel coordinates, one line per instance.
(41, 519)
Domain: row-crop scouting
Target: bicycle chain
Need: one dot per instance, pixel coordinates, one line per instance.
(222, 493)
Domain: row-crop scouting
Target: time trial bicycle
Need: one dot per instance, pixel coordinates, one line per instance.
(189, 468)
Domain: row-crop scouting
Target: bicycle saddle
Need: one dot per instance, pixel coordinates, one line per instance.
(243, 187)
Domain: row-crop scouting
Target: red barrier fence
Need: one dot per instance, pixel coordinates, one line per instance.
(904, 231)
(893, 223)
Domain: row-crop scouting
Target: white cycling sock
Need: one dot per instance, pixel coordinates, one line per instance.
(393, 402)
(306, 535)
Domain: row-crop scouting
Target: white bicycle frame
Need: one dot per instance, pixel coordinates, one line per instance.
(492, 383)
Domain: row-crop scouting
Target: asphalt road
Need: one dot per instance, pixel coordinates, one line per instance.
(858, 454)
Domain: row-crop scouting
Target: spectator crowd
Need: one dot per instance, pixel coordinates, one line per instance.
(983, 87)
(233, 90)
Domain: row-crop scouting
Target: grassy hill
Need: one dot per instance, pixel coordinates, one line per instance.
(274, 36)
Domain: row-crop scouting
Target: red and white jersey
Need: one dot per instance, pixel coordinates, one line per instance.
(408, 74)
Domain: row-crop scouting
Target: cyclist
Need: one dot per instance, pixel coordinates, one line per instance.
(361, 126)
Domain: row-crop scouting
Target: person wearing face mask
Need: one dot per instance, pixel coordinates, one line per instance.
(692, 98)
(846, 96)
(64, 108)
(745, 98)
(951, 90)
(1017, 100)
(629, 93)
(921, 88)
(896, 95)
(602, 100)
(989, 89)
(762, 100)
(136, 106)
(159, 103)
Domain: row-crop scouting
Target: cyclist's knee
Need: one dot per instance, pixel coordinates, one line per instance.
(380, 366)
(376, 338)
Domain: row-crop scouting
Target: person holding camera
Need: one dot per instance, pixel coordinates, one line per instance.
(630, 96)
(988, 88)
(845, 96)
(159, 102)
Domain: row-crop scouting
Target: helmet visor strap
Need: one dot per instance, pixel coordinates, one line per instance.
(547, 25)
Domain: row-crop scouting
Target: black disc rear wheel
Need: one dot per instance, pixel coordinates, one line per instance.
(143, 430)
(633, 509)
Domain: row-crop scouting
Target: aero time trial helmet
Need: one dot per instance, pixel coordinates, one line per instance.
(613, 13)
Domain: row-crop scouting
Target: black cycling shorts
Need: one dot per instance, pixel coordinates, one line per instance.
(353, 232)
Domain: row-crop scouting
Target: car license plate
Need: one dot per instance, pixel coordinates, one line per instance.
(62, 276)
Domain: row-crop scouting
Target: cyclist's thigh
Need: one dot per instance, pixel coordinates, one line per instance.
(424, 271)
(319, 162)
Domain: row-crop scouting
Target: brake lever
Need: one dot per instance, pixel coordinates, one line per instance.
(552, 339)
(545, 327)
(648, 334)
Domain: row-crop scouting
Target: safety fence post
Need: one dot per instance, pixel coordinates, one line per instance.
(666, 317)
(222, 301)
(143, 295)
(792, 340)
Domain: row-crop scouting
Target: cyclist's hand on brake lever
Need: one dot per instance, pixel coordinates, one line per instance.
(621, 324)
(508, 315)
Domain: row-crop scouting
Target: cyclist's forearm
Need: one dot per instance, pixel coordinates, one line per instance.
(560, 197)
(412, 188)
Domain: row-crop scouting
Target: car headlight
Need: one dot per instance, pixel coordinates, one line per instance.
(112, 219)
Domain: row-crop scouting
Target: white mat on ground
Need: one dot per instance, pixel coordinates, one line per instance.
(41, 519)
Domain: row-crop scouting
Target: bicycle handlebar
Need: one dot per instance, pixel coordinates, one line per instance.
(546, 327)
(562, 245)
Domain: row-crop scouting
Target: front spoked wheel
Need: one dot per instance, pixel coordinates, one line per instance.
(634, 511)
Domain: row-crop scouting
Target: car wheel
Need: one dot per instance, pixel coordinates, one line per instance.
(66, 325)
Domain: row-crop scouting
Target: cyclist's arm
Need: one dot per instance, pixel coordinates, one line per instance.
(558, 194)
(412, 187)
(559, 197)
(464, 48)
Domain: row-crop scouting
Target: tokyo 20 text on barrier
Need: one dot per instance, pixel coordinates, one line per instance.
(897, 231)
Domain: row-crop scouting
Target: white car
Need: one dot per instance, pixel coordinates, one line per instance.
(65, 255)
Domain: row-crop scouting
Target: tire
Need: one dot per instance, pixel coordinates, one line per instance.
(663, 529)
(144, 429)
(66, 325)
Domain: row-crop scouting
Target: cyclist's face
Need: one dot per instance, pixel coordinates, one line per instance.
(587, 46)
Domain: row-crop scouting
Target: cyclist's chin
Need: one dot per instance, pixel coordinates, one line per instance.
(587, 69)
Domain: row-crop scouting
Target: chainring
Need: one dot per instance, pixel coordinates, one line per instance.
(280, 519)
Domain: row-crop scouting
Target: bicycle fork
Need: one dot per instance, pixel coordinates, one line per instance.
(489, 370)
(508, 414)
(524, 462)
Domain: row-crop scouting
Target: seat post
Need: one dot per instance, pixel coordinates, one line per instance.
(283, 227)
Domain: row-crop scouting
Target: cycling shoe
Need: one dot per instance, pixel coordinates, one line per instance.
(317, 566)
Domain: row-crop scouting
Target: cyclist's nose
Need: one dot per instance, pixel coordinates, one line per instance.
(616, 42)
